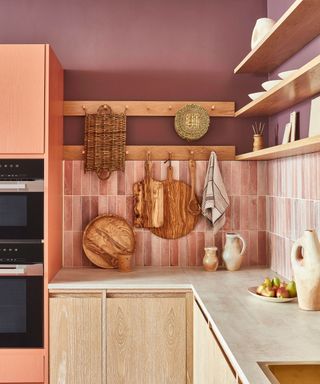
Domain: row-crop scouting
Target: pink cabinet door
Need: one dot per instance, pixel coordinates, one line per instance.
(22, 100)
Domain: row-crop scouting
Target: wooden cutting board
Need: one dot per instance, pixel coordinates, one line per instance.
(178, 221)
(105, 238)
(148, 201)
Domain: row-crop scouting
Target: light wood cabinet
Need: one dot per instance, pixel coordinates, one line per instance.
(210, 364)
(76, 339)
(147, 338)
(22, 98)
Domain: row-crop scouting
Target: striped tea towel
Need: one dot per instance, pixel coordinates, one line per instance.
(215, 200)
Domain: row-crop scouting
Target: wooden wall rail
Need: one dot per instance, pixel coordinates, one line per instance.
(139, 152)
(148, 108)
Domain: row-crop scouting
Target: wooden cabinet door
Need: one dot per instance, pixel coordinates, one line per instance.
(223, 373)
(146, 340)
(75, 340)
(22, 100)
(210, 364)
(202, 370)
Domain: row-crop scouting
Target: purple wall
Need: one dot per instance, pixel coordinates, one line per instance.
(311, 50)
(142, 49)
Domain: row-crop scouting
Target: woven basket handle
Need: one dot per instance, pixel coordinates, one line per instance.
(104, 110)
(103, 174)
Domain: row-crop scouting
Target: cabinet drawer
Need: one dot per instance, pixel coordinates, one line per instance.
(22, 368)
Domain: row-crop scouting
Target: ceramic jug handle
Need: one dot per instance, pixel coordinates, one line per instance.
(244, 246)
(296, 253)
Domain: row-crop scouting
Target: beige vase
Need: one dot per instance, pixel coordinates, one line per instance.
(261, 29)
(305, 259)
(210, 259)
(233, 251)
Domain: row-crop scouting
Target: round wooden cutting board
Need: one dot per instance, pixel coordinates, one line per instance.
(105, 238)
(178, 221)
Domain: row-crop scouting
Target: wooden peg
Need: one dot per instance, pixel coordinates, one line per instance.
(192, 155)
(84, 107)
(83, 152)
(148, 155)
(127, 153)
(105, 106)
(212, 107)
(126, 107)
(148, 108)
(170, 107)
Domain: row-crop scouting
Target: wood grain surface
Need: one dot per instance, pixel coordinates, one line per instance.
(105, 238)
(148, 201)
(75, 340)
(178, 221)
(146, 340)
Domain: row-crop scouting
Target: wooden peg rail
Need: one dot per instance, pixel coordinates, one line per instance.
(148, 108)
(140, 152)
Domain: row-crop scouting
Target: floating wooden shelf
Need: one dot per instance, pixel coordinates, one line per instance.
(299, 147)
(302, 85)
(148, 108)
(297, 27)
(139, 152)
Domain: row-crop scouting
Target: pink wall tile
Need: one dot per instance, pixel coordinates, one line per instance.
(262, 212)
(90, 197)
(68, 170)
(76, 178)
(67, 213)
(68, 249)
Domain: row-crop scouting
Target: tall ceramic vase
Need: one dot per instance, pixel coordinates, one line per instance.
(233, 251)
(305, 259)
(261, 29)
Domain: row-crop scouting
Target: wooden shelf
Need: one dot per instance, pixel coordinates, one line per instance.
(148, 108)
(299, 147)
(297, 27)
(158, 152)
(302, 85)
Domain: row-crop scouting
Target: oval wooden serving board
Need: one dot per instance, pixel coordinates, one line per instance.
(178, 221)
(105, 238)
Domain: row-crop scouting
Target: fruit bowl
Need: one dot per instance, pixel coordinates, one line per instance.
(253, 291)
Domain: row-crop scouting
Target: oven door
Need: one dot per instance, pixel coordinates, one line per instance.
(21, 215)
(21, 311)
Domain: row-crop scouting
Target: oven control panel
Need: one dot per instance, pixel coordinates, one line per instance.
(21, 169)
(21, 253)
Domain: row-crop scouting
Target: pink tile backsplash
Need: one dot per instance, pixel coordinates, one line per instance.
(85, 197)
(292, 205)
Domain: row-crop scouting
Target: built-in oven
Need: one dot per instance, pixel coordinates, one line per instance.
(21, 295)
(21, 199)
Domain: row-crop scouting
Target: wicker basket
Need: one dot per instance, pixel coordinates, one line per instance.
(105, 142)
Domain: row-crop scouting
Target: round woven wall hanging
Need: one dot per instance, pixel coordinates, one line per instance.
(192, 122)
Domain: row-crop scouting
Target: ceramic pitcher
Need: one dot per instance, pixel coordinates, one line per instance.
(305, 259)
(262, 28)
(233, 251)
(210, 260)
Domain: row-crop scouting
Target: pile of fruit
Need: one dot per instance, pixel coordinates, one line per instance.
(277, 288)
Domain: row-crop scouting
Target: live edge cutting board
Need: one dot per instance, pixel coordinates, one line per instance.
(177, 220)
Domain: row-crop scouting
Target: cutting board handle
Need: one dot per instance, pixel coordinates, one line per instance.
(170, 173)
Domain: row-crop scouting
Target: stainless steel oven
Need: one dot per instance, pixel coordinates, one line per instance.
(21, 295)
(21, 199)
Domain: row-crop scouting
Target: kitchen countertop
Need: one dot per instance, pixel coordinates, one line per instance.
(248, 329)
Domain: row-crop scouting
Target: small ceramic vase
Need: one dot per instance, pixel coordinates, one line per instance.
(233, 251)
(262, 28)
(305, 259)
(257, 142)
(210, 259)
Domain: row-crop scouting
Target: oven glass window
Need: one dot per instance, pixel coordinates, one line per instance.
(13, 211)
(13, 306)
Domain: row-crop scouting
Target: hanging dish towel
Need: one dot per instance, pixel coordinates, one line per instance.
(215, 200)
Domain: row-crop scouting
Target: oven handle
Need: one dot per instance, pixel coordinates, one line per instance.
(12, 271)
(21, 270)
(12, 186)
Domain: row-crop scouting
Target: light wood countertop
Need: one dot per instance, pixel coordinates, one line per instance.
(248, 329)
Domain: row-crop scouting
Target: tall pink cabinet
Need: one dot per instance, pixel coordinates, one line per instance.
(31, 126)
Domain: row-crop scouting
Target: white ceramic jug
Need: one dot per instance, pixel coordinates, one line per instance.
(261, 29)
(305, 259)
(233, 251)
